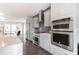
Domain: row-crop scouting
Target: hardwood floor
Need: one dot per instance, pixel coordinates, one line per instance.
(31, 49)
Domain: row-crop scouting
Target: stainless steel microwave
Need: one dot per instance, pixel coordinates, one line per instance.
(65, 24)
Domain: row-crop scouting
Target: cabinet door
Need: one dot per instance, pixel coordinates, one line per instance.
(47, 15)
(47, 42)
(66, 9)
(41, 41)
(61, 10)
(55, 11)
(36, 24)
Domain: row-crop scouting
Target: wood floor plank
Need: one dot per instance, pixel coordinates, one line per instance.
(31, 49)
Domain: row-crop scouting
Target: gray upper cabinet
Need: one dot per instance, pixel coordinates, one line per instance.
(61, 10)
(47, 16)
(36, 24)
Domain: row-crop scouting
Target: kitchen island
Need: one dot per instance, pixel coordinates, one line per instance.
(10, 45)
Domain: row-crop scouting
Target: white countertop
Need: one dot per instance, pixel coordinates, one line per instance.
(8, 40)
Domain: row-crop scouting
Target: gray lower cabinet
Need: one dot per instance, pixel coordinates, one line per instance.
(45, 41)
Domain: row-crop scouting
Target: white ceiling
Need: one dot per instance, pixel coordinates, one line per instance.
(21, 10)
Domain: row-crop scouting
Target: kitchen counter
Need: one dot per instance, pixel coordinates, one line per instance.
(10, 45)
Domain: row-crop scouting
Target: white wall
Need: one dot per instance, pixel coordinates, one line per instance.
(76, 27)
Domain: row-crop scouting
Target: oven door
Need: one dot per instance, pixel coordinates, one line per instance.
(36, 40)
(63, 40)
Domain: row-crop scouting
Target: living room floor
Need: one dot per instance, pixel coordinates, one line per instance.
(31, 49)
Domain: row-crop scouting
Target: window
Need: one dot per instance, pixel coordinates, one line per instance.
(10, 29)
(6, 28)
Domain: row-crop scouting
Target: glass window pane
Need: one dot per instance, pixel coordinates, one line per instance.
(13, 27)
(6, 28)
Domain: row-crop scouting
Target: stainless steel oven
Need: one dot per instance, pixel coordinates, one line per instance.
(65, 24)
(63, 39)
(36, 39)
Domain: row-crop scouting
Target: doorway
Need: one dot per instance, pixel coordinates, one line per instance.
(12, 29)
